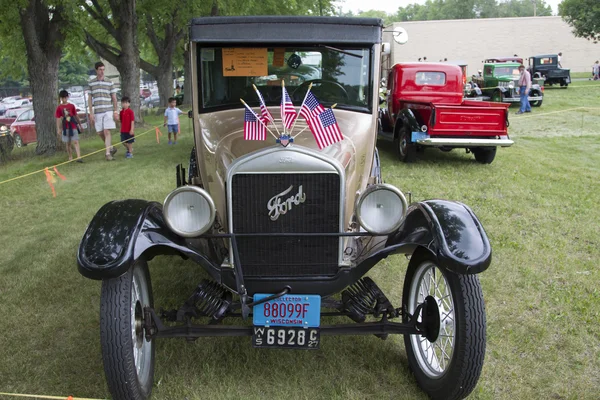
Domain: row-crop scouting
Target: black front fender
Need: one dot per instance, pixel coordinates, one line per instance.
(450, 230)
(125, 230)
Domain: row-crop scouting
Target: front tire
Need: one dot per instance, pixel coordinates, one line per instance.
(497, 97)
(127, 356)
(407, 151)
(448, 367)
(484, 155)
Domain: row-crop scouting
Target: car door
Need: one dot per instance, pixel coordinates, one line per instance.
(30, 125)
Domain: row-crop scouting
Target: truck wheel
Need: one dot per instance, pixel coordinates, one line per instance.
(407, 151)
(447, 362)
(535, 103)
(563, 84)
(497, 97)
(127, 356)
(484, 155)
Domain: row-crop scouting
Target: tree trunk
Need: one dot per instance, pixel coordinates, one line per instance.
(44, 90)
(43, 32)
(187, 76)
(164, 78)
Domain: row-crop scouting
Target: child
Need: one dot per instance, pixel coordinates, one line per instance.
(172, 119)
(127, 119)
(67, 124)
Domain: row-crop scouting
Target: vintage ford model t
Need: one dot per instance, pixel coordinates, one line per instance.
(546, 67)
(286, 229)
(426, 108)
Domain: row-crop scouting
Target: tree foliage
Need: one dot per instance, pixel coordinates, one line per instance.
(461, 9)
(583, 16)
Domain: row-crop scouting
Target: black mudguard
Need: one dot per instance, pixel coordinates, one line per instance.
(449, 230)
(122, 232)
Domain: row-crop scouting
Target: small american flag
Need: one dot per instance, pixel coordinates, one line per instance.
(288, 112)
(311, 107)
(264, 111)
(325, 129)
(253, 128)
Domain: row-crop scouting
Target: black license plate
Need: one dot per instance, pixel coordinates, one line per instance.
(286, 337)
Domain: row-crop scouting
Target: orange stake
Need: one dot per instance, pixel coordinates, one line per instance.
(50, 180)
(158, 133)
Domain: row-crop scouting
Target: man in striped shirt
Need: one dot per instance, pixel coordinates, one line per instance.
(103, 107)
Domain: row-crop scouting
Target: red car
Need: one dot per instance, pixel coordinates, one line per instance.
(23, 129)
(426, 109)
(11, 115)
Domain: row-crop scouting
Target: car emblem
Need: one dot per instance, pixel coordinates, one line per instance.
(277, 206)
(284, 140)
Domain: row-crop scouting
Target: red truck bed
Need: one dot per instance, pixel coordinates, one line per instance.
(476, 118)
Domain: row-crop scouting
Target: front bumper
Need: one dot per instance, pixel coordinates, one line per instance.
(518, 99)
(438, 142)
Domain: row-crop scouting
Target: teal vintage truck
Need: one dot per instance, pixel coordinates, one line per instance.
(500, 83)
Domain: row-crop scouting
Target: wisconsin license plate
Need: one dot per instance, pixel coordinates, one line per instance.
(286, 337)
(288, 310)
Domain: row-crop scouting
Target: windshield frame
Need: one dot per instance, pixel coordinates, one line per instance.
(253, 100)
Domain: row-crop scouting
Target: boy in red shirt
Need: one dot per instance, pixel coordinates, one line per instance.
(67, 124)
(127, 126)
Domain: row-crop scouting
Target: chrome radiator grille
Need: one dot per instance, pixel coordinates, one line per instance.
(313, 209)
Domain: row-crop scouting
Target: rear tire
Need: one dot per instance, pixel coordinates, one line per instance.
(484, 155)
(407, 151)
(449, 367)
(127, 356)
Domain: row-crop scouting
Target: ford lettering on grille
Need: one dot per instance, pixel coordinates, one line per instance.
(278, 207)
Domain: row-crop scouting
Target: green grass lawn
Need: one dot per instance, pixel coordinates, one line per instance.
(538, 202)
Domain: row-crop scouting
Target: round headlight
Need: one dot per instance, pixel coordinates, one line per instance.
(381, 209)
(511, 85)
(189, 211)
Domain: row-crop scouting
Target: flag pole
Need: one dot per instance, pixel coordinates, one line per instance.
(282, 106)
(298, 134)
(305, 96)
(274, 124)
(259, 120)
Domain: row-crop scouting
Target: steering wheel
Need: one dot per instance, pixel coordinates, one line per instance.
(322, 81)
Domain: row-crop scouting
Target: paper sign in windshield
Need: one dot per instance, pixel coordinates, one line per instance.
(278, 57)
(245, 62)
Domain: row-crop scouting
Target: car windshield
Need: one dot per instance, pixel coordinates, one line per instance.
(507, 71)
(338, 75)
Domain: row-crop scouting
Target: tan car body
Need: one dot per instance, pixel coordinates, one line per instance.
(220, 141)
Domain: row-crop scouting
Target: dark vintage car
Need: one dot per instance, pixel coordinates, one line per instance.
(285, 230)
(500, 83)
(547, 68)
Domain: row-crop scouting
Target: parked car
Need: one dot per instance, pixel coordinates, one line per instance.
(11, 115)
(504, 60)
(145, 92)
(80, 106)
(285, 230)
(7, 102)
(76, 91)
(546, 67)
(19, 103)
(500, 83)
(426, 108)
(23, 129)
(152, 101)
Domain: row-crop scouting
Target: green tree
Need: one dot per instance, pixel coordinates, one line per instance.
(44, 26)
(111, 30)
(583, 16)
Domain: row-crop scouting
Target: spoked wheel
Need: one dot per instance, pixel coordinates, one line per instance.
(128, 357)
(447, 361)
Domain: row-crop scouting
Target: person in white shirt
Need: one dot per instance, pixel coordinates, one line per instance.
(559, 58)
(172, 119)
(524, 87)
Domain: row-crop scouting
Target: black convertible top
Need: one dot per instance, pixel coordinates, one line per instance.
(288, 29)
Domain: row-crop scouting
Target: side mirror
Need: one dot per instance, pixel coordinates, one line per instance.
(400, 35)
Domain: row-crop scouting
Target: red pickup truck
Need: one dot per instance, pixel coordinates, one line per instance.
(425, 108)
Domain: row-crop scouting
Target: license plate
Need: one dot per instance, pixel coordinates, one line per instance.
(286, 337)
(288, 310)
